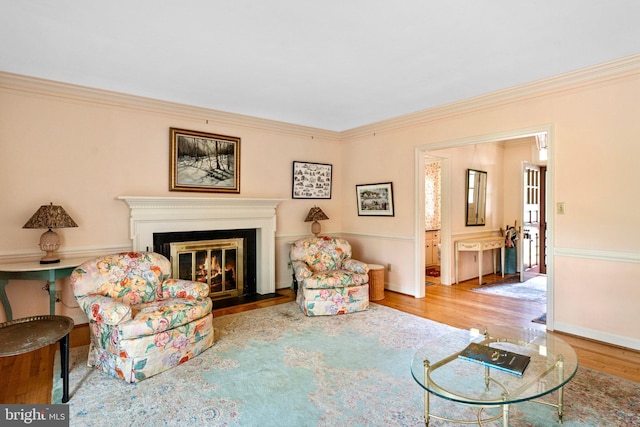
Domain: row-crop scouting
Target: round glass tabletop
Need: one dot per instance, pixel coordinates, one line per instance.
(478, 366)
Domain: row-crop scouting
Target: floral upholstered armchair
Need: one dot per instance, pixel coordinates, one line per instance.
(329, 281)
(141, 322)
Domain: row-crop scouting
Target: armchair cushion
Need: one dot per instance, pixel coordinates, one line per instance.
(176, 288)
(334, 279)
(159, 316)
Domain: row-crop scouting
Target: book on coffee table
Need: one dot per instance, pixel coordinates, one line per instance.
(496, 358)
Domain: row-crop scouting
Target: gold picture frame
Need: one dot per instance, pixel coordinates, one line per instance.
(204, 162)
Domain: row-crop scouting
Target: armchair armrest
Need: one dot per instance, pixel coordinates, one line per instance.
(178, 288)
(103, 309)
(301, 270)
(355, 266)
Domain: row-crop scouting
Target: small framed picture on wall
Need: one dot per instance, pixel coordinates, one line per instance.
(311, 180)
(375, 199)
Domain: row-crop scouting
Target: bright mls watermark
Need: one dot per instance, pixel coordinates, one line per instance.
(34, 415)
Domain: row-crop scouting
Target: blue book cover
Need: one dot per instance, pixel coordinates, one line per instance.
(496, 358)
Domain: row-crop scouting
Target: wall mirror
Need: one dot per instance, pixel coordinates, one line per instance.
(476, 197)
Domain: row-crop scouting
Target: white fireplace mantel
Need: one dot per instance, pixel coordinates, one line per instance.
(171, 214)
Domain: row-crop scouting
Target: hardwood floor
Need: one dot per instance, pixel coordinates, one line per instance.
(458, 306)
(27, 378)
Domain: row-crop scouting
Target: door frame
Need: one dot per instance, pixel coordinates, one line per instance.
(446, 270)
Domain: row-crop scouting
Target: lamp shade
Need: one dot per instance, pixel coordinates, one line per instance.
(316, 214)
(50, 216)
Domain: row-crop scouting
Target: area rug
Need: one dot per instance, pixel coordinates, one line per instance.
(534, 289)
(275, 367)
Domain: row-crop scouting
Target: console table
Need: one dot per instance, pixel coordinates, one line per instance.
(33, 270)
(480, 245)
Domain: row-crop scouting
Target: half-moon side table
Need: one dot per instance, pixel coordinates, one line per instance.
(32, 333)
(33, 270)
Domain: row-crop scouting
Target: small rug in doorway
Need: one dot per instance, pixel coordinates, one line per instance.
(542, 319)
(428, 283)
(506, 280)
(534, 289)
(433, 272)
(276, 367)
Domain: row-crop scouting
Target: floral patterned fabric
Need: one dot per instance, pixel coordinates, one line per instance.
(141, 322)
(329, 280)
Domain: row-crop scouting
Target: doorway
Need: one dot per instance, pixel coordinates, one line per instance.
(534, 241)
(448, 237)
(432, 219)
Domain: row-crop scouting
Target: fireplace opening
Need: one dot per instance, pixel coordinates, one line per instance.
(224, 259)
(219, 263)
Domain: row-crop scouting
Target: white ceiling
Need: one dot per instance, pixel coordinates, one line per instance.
(330, 64)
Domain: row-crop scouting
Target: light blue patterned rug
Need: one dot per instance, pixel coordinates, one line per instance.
(534, 289)
(275, 367)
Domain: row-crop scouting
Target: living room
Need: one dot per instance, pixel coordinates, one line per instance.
(77, 141)
(83, 148)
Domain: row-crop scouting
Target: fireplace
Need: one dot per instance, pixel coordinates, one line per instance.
(224, 259)
(222, 216)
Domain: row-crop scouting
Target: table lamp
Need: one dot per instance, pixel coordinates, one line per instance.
(315, 214)
(50, 216)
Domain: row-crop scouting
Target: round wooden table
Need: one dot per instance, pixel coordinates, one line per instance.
(32, 333)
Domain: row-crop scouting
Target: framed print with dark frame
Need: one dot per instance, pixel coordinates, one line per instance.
(375, 199)
(311, 180)
(204, 162)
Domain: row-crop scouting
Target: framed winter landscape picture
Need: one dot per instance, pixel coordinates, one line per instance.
(375, 199)
(311, 180)
(204, 162)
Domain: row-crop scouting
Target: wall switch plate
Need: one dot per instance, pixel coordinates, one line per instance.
(58, 296)
(560, 208)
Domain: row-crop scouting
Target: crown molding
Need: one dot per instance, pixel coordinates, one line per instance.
(601, 73)
(71, 92)
(597, 74)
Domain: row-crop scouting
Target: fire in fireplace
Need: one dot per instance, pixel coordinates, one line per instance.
(218, 263)
(224, 259)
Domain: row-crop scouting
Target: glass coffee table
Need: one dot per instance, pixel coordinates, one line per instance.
(438, 369)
